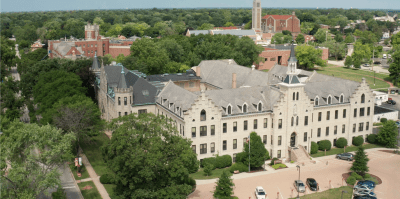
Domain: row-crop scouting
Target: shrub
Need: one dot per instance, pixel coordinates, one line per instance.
(240, 157)
(367, 175)
(383, 120)
(59, 194)
(190, 181)
(356, 176)
(292, 161)
(372, 179)
(210, 161)
(358, 141)
(351, 180)
(279, 166)
(341, 142)
(272, 161)
(107, 179)
(324, 144)
(267, 157)
(208, 169)
(314, 148)
(372, 138)
(239, 166)
(223, 161)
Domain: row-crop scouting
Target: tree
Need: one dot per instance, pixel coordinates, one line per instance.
(339, 38)
(308, 56)
(306, 27)
(341, 142)
(229, 24)
(286, 32)
(208, 168)
(7, 56)
(360, 162)
(10, 100)
(321, 35)
(159, 159)
(32, 155)
(394, 68)
(300, 39)
(362, 51)
(248, 25)
(206, 26)
(224, 188)
(338, 50)
(388, 133)
(280, 38)
(357, 63)
(257, 151)
(348, 62)
(395, 39)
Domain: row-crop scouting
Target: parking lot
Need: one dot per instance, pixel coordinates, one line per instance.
(327, 172)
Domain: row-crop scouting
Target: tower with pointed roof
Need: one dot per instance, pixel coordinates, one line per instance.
(291, 74)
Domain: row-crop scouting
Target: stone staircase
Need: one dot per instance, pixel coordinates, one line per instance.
(301, 155)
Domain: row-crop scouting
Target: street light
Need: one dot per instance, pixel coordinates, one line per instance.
(343, 191)
(298, 194)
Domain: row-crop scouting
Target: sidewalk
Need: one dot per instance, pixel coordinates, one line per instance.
(95, 178)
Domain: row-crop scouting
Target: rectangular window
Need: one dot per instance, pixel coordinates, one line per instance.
(234, 157)
(344, 113)
(212, 129)
(224, 127)
(343, 128)
(265, 139)
(125, 101)
(203, 131)
(279, 154)
(354, 128)
(368, 111)
(140, 111)
(280, 124)
(224, 145)
(327, 131)
(203, 148)
(305, 120)
(234, 126)
(367, 126)
(335, 130)
(355, 112)
(305, 136)
(126, 113)
(193, 132)
(245, 125)
(272, 140)
(319, 116)
(234, 143)
(194, 148)
(255, 124)
(84, 45)
(336, 114)
(279, 140)
(362, 111)
(191, 84)
(328, 115)
(119, 114)
(265, 122)
(119, 101)
(319, 132)
(360, 126)
(212, 145)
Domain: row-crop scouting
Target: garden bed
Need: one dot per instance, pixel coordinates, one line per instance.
(279, 166)
(347, 175)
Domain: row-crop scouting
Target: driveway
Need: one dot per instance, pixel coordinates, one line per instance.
(327, 172)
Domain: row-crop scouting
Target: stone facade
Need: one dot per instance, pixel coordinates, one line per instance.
(278, 23)
(256, 15)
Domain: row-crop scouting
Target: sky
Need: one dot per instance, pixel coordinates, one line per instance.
(53, 5)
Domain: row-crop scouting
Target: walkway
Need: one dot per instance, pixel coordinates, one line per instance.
(95, 178)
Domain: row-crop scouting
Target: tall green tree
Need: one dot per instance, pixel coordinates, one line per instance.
(32, 154)
(7, 56)
(300, 39)
(224, 188)
(338, 50)
(360, 164)
(395, 39)
(206, 26)
(348, 62)
(394, 68)
(308, 56)
(257, 151)
(10, 101)
(388, 133)
(159, 159)
(322, 35)
(280, 38)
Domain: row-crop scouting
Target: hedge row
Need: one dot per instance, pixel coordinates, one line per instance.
(372, 138)
(218, 161)
(239, 166)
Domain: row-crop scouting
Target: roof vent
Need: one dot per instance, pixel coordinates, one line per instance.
(179, 74)
(166, 74)
(145, 92)
(191, 75)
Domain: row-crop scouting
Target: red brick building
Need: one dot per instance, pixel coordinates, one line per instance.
(93, 44)
(278, 23)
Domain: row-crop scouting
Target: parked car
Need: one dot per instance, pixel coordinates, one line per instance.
(312, 184)
(364, 193)
(389, 56)
(384, 56)
(391, 101)
(345, 156)
(367, 182)
(366, 65)
(299, 185)
(364, 197)
(366, 187)
(398, 123)
(260, 193)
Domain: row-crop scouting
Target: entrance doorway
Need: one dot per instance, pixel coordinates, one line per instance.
(334, 142)
(279, 60)
(293, 139)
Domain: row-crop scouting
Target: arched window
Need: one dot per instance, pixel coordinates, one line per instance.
(341, 98)
(362, 98)
(259, 106)
(316, 101)
(297, 121)
(244, 108)
(329, 100)
(292, 121)
(229, 109)
(203, 115)
(294, 96)
(297, 96)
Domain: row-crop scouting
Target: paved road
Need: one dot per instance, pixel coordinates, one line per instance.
(68, 183)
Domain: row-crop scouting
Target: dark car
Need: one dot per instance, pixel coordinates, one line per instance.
(367, 182)
(312, 184)
(345, 156)
(364, 197)
(392, 102)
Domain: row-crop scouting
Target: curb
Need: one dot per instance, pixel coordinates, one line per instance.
(76, 184)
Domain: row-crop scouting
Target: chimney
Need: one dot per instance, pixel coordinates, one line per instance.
(293, 13)
(230, 61)
(253, 67)
(198, 71)
(233, 80)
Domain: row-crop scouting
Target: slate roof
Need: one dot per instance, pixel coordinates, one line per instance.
(189, 75)
(96, 64)
(197, 32)
(181, 97)
(234, 32)
(144, 92)
(292, 57)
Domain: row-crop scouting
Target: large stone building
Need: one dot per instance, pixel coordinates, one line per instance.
(218, 103)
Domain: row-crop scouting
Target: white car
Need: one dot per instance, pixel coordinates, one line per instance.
(260, 193)
(389, 56)
(384, 56)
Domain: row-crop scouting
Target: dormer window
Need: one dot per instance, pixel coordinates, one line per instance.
(363, 98)
(244, 110)
(229, 109)
(259, 106)
(341, 100)
(170, 105)
(316, 101)
(203, 115)
(329, 100)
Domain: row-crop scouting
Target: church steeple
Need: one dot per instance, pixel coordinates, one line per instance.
(122, 81)
(291, 77)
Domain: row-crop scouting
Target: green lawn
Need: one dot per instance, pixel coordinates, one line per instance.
(331, 194)
(89, 193)
(200, 175)
(265, 70)
(109, 188)
(93, 153)
(334, 151)
(84, 172)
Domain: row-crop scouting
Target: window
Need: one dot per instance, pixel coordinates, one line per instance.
(212, 129)
(203, 131)
(335, 130)
(95, 45)
(224, 127)
(279, 140)
(265, 122)
(360, 126)
(292, 122)
(130, 99)
(344, 113)
(224, 145)
(343, 128)
(191, 84)
(229, 109)
(119, 114)
(141, 111)
(297, 121)
(272, 140)
(341, 98)
(362, 111)
(203, 115)
(193, 132)
(234, 157)
(305, 120)
(319, 132)
(328, 115)
(255, 124)
(355, 112)
(305, 136)
(297, 96)
(316, 101)
(84, 45)
(212, 146)
(244, 141)
(336, 114)
(362, 98)
(367, 126)
(119, 101)
(234, 126)
(126, 113)
(327, 131)
(194, 148)
(91, 45)
(125, 101)
(92, 51)
(354, 128)
(279, 154)
(280, 124)
(272, 59)
(245, 125)
(234, 143)
(259, 106)
(244, 108)
(265, 139)
(368, 111)
(329, 100)
(203, 148)
(319, 116)
(294, 96)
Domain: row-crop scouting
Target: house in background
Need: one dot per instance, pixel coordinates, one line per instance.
(37, 45)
